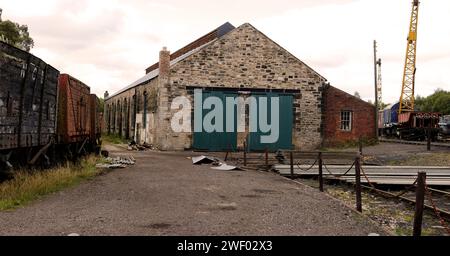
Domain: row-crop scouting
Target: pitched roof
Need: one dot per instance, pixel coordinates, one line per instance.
(153, 71)
(216, 33)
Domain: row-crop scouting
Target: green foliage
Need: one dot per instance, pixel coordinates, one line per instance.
(101, 103)
(16, 34)
(113, 139)
(382, 104)
(27, 186)
(439, 101)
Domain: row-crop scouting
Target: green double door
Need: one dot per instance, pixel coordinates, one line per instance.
(216, 140)
(227, 140)
(284, 118)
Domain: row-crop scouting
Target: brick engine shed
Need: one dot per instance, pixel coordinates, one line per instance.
(237, 62)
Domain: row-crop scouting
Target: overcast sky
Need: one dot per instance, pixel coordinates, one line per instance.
(108, 44)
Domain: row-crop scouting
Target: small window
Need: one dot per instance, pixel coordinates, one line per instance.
(346, 121)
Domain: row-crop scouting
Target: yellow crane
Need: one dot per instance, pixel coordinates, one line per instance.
(407, 96)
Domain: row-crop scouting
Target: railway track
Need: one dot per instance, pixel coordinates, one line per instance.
(400, 181)
(441, 199)
(435, 144)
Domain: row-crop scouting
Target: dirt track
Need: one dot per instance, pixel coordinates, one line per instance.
(164, 194)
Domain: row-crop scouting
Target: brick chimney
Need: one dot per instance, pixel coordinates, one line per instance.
(164, 64)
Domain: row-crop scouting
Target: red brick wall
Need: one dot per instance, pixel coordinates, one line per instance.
(363, 117)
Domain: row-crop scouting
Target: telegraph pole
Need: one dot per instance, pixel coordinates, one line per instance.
(376, 85)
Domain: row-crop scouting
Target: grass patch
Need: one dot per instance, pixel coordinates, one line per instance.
(27, 186)
(425, 159)
(113, 139)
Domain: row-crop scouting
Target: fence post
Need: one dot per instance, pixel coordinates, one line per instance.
(267, 158)
(420, 198)
(226, 156)
(429, 138)
(358, 183)
(291, 156)
(360, 143)
(320, 172)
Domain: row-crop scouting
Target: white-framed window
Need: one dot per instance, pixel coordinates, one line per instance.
(346, 120)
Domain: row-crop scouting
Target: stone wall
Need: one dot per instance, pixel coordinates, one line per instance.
(247, 59)
(124, 113)
(243, 59)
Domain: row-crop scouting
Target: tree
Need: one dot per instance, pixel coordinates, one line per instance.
(101, 103)
(16, 34)
(439, 101)
(383, 105)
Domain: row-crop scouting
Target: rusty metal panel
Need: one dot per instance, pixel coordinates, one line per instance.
(73, 113)
(27, 99)
(404, 117)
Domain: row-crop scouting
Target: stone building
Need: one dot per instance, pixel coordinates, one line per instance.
(226, 63)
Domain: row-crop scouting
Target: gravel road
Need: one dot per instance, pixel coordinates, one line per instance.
(164, 194)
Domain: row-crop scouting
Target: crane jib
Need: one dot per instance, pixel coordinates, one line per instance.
(407, 95)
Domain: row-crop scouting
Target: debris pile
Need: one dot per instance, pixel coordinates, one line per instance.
(133, 146)
(117, 162)
(219, 165)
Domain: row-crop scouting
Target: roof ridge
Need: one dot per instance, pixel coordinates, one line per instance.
(216, 33)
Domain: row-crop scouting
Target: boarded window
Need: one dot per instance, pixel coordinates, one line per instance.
(346, 120)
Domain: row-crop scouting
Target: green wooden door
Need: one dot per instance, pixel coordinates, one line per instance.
(216, 140)
(285, 118)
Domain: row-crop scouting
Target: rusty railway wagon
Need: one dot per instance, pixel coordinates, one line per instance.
(78, 116)
(38, 124)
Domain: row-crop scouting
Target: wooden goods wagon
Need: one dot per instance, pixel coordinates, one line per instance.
(74, 116)
(28, 100)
